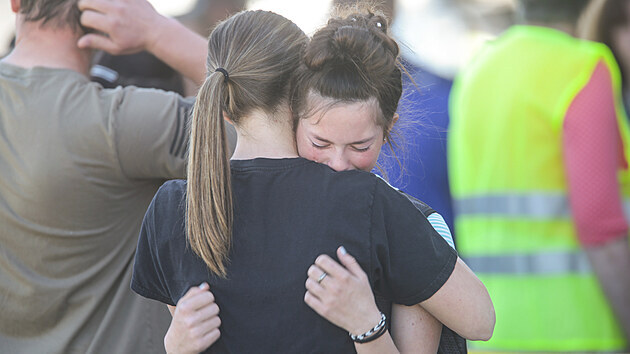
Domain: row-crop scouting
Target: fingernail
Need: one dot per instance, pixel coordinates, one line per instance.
(343, 250)
(204, 286)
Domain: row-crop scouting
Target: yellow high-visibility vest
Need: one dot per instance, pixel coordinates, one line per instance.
(513, 222)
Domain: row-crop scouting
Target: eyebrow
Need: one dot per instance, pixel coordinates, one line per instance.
(353, 143)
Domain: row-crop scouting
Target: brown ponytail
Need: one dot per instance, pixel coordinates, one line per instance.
(257, 53)
(209, 193)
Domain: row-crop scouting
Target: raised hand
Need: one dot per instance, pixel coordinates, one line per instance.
(123, 26)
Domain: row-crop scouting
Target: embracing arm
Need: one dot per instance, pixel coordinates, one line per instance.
(463, 304)
(344, 297)
(414, 330)
(130, 26)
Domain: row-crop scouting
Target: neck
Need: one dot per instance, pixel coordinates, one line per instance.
(262, 136)
(48, 46)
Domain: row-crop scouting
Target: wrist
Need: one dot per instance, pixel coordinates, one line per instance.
(159, 27)
(368, 322)
(167, 343)
(373, 333)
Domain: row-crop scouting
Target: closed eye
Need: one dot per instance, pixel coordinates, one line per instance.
(362, 149)
(319, 146)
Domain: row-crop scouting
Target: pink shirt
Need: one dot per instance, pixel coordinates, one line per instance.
(593, 153)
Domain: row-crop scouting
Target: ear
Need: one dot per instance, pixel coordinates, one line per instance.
(394, 120)
(227, 118)
(15, 6)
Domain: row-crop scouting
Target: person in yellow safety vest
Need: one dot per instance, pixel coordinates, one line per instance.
(538, 159)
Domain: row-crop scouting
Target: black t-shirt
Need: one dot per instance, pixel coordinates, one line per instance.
(286, 213)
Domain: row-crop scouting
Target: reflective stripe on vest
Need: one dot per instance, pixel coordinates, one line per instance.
(530, 206)
(548, 263)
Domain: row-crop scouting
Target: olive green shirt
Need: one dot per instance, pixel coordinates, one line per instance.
(79, 165)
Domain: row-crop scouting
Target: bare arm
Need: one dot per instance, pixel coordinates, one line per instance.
(463, 304)
(611, 263)
(130, 26)
(414, 330)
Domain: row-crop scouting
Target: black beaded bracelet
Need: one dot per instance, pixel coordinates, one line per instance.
(372, 334)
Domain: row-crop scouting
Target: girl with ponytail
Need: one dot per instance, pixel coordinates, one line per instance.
(250, 227)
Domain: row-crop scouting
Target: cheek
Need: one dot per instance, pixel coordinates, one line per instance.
(365, 161)
(307, 150)
(309, 154)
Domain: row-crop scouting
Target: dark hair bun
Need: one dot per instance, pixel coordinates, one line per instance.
(351, 58)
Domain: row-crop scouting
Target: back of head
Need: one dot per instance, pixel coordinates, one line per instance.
(351, 59)
(260, 51)
(604, 21)
(202, 6)
(56, 13)
(205, 14)
(251, 58)
(551, 11)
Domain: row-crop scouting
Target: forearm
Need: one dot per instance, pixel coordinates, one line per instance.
(611, 264)
(415, 330)
(180, 48)
(463, 304)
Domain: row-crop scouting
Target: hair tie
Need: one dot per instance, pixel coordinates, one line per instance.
(226, 76)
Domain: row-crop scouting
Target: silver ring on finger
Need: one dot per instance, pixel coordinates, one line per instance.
(321, 277)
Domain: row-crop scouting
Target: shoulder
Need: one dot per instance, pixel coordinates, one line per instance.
(385, 190)
(420, 205)
(164, 221)
(168, 202)
(136, 100)
(424, 208)
(175, 188)
(171, 193)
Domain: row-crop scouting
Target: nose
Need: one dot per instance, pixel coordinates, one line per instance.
(339, 163)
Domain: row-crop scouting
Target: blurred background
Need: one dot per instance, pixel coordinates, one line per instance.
(439, 34)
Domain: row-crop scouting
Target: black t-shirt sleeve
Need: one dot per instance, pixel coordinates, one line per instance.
(150, 269)
(410, 260)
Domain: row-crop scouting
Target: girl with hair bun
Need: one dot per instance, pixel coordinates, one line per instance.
(249, 229)
(344, 101)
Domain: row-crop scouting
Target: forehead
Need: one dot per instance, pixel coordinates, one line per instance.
(320, 108)
(342, 121)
